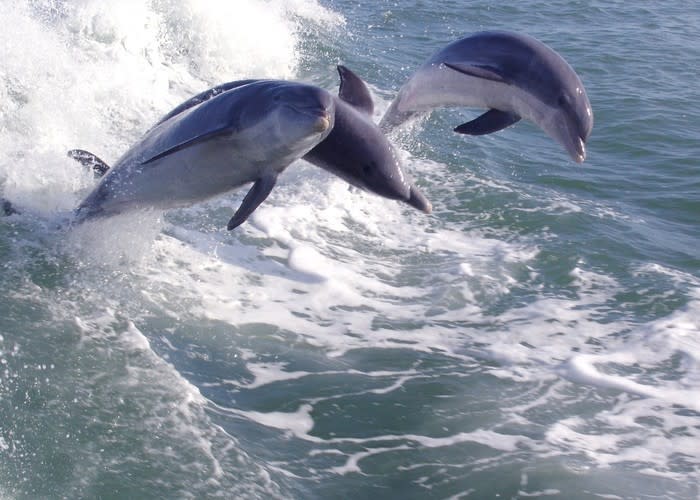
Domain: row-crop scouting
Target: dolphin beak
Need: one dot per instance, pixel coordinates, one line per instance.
(418, 200)
(567, 134)
(323, 121)
(577, 150)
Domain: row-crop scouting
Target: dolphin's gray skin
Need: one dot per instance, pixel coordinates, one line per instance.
(355, 150)
(247, 134)
(513, 75)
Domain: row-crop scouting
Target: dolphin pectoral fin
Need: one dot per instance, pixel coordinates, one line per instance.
(257, 194)
(354, 91)
(211, 134)
(478, 71)
(491, 121)
(89, 160)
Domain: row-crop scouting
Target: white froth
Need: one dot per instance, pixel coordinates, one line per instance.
(298, 423)
(96, 74)
(482, 437)
(656, 342)
(268, 373)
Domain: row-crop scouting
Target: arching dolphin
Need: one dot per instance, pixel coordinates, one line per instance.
(355, 150)
(247, 134)
(513, 75)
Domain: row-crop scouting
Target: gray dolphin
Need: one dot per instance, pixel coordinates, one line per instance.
(247, 134)
(355, 150)
(513, 75)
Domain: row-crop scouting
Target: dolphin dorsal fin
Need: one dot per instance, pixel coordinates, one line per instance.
(485, 71)
(89, 160)
(354, 91)
(257, 194)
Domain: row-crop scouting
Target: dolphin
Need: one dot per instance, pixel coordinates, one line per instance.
(355, 150)
(247, 134)
(512, 75)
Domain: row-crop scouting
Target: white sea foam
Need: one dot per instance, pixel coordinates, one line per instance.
(298, 423)
(84, 74)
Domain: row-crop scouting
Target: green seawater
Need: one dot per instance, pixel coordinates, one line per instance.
(537, 336)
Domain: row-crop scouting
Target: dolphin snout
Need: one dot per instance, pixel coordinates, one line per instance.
(322, 111)
(576, 147)
(316, 104)
(322, 117)
(418, 200)
(323, 121)
(579, 152)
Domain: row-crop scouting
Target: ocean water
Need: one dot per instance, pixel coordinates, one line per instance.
(538, 335)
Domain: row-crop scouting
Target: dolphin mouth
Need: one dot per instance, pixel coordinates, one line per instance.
(578, 150)
(323, 121)
(322, 116)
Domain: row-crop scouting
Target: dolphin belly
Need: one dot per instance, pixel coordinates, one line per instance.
(182, 178)
(243, 134)
(436, 86)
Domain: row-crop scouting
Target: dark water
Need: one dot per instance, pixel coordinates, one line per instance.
(537, 336)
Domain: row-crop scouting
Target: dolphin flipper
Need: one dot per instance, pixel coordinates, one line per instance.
(354, 91)
(208, 135)
(491, 121)
(89, 160)
(257, 194)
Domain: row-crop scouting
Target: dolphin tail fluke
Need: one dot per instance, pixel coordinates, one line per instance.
(491, 121)
(89, 160)
(257, 194)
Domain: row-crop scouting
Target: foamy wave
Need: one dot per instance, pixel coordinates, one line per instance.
(96, 74)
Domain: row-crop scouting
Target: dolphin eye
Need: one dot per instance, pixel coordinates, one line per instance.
(368, 169)
(563, 100)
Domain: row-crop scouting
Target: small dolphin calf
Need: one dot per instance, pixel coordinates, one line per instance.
(514, 76)
(247, 134)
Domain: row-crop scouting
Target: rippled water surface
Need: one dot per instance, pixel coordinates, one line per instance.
(538, 335)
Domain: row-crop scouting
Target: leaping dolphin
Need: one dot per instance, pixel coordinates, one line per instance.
(513, 75)
(247, 134)
(355, 150)
(358, 151)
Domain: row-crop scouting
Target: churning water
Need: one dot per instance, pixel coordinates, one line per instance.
(538, 335)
